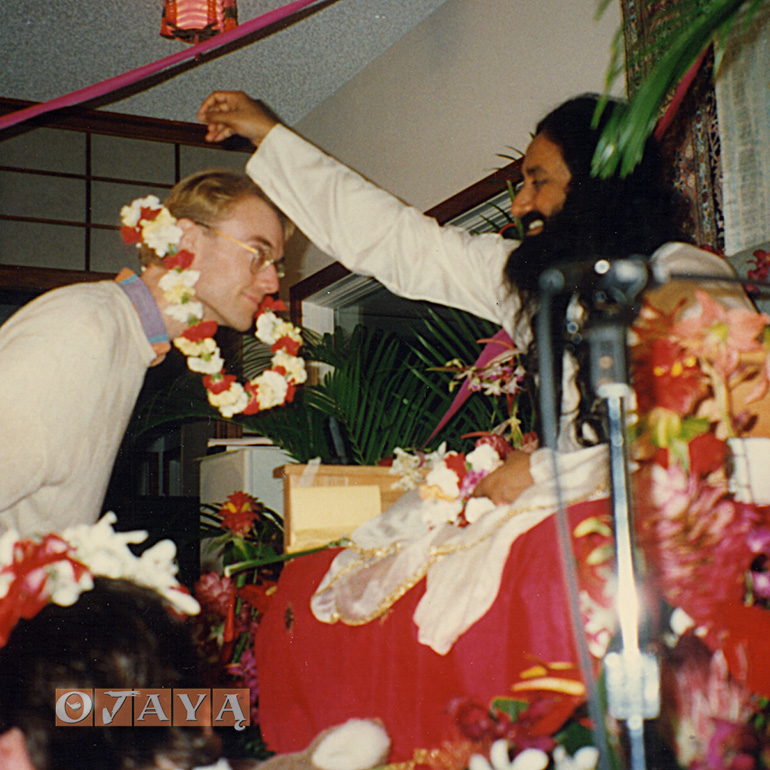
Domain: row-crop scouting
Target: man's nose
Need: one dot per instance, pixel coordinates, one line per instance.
(267, 279)
(522, 202)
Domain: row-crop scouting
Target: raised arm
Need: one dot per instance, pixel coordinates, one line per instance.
(366, 228)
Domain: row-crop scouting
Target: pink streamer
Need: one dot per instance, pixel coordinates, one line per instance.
(141, 73)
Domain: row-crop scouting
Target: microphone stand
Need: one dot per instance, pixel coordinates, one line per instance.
(631, 675)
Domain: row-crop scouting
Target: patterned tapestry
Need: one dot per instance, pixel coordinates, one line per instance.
(692, 140)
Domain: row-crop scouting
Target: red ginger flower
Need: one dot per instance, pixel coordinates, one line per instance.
(212, 590)
(668, 378)
(239, 513)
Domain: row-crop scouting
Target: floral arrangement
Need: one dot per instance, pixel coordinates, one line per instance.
(248, 539)
(446, 480)
(706, 551)
(544, 725)
(495, 375)
(57, 568)
(147, 221)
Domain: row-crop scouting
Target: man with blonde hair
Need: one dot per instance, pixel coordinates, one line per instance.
(75, 358)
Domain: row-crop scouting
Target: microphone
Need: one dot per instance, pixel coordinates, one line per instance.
(617, 281)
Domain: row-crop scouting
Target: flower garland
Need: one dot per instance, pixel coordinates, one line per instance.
(56, 569)
(446, 481)
(147, 221)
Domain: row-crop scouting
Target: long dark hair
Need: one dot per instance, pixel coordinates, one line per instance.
(120, 636)
(611, 218)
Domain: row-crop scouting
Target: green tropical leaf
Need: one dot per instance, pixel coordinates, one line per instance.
(684, 34)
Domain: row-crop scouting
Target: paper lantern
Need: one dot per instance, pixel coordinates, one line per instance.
(194, 20)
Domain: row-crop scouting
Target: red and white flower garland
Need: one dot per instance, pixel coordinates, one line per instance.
(56, 569)
(446, 480)
(147, 221)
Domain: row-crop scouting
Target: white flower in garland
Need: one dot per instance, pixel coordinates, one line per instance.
(147, 221)
(449, 482)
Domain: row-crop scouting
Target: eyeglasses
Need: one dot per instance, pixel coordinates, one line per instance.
(259, 255)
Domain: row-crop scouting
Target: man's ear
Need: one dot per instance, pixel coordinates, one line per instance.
(13, 751)
(191, 234)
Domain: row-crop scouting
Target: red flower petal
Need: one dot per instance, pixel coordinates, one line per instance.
(131, 234)
(270, 303)
(200, 331)
(218, 383)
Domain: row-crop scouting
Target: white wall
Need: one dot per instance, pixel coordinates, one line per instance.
(427, 118)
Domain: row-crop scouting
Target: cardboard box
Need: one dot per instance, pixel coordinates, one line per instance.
(327, 502)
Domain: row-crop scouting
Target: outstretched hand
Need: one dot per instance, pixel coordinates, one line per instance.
(507, 482)
(227, 113)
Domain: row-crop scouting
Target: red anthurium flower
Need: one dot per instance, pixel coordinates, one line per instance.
(238, 512)
(182, 259)
(148, 214)
(218, 383)
(200, 331)
(270, 303)
(131, 234)
(290, 391)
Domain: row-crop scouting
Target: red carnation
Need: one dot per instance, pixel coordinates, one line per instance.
(182, 259)
(288, 344)
(218, 383)
(200, 331)
(131, 234)
(270, 303)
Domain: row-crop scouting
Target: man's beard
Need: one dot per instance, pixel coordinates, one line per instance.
(553, 245)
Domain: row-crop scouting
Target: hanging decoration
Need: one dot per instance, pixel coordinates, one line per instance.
(194, 20)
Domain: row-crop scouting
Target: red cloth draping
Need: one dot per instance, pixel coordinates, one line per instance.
(314, 675)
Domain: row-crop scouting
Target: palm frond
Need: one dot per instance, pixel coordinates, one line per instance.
(682, 39)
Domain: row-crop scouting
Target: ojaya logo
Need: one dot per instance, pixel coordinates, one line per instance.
(153, 708)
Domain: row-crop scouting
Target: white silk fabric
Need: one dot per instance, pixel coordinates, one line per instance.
(392, 552)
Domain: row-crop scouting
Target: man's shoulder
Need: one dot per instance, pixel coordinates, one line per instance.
(692, 259)
(92, 307)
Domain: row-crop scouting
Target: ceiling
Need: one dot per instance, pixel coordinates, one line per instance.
(53, 48)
